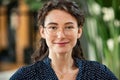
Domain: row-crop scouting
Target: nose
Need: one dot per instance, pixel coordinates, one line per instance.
(61, 34)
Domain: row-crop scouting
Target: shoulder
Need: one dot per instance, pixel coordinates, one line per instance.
(92, 64)
(29, 71)
(86, 64)
(95, 70)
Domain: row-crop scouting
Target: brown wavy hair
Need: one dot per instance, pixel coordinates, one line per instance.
(70, 7)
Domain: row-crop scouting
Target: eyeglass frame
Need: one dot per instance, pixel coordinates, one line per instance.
(67, 30)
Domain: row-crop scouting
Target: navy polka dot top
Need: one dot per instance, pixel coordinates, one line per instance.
(42, 70)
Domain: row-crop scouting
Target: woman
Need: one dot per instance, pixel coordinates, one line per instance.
(60, 56)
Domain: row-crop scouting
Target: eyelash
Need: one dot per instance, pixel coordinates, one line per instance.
(55, 27)
(69, 27)
(52, 27)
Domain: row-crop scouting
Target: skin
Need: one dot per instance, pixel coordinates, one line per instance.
(61, 45)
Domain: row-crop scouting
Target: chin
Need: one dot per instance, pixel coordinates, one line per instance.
(63, 52)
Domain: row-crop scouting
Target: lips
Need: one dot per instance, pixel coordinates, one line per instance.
(62, 43)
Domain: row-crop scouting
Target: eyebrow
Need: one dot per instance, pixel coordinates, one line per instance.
(53, 23)
(69, 23)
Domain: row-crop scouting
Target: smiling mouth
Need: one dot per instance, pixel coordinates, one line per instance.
(62, 43)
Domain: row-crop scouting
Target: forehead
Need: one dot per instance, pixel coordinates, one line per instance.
(59, 16)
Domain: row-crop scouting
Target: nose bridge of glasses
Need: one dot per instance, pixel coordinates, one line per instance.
(61, 32)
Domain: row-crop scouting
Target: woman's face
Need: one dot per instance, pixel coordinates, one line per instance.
(61, 32)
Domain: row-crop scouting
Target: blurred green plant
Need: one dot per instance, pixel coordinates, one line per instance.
(102, 29)
(34, 5)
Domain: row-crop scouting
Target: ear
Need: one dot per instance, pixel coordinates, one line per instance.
(79, 32)
(42, 33)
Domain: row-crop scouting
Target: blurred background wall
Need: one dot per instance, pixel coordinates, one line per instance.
(16, 28)
(18, 33)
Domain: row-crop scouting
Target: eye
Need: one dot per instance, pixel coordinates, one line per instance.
(69, 27)
(52, 27)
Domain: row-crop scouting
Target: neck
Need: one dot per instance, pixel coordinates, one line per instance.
(62, 63)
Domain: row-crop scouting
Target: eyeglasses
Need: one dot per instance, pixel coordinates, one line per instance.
(53, 30)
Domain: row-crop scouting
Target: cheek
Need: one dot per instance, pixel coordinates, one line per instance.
(73, 39)
(49, 41)
(75, 36)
